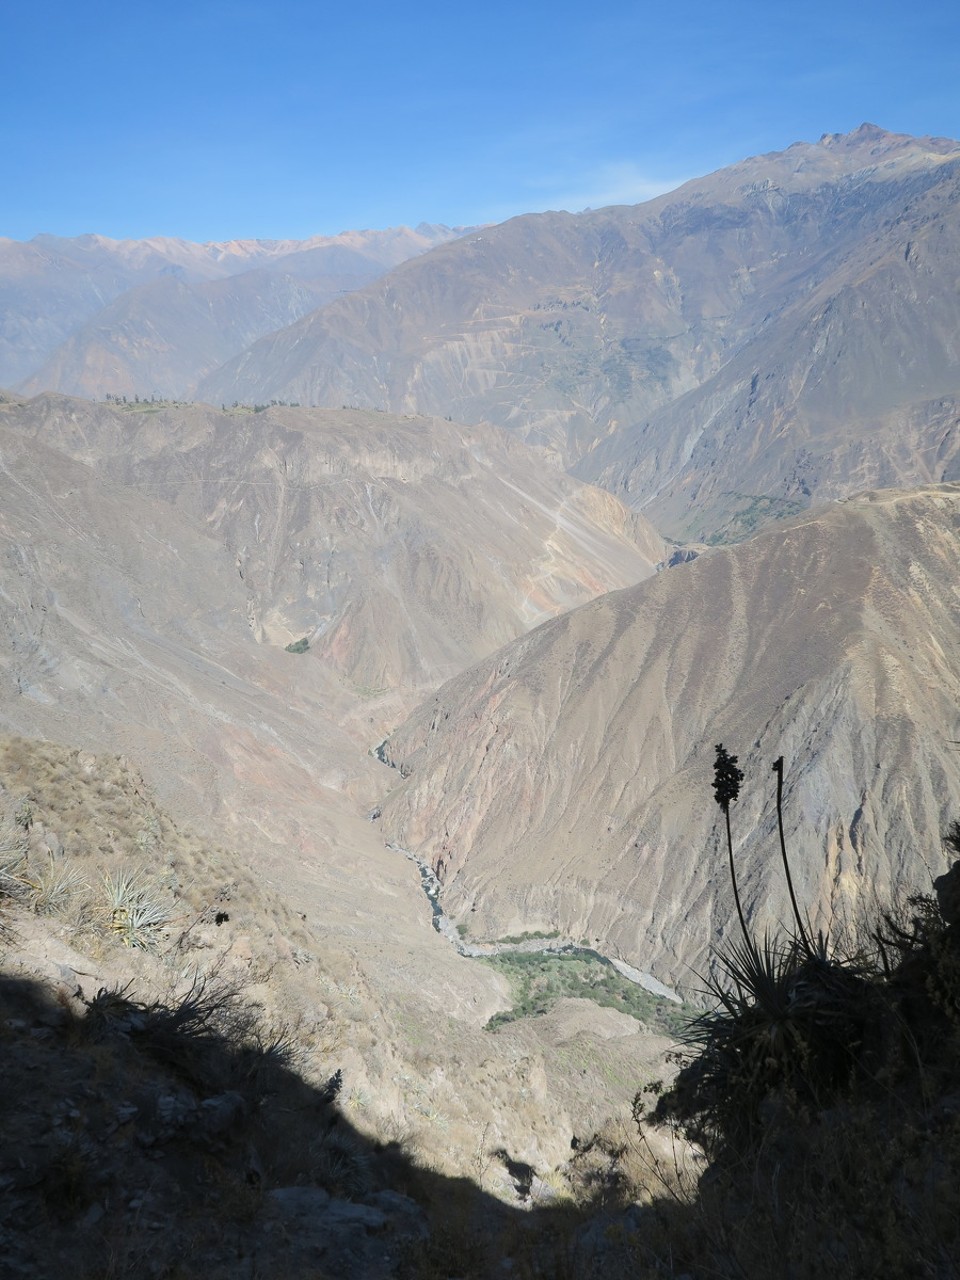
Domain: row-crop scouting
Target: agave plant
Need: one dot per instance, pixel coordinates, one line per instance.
(137, 912)
(13, 859)
(54, 886)
(787, 1021)
(787, 1027)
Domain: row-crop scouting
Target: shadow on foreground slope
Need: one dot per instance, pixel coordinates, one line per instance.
(173, 1140)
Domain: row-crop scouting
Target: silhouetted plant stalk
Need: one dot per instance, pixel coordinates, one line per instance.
(778, 770)
(726, 787)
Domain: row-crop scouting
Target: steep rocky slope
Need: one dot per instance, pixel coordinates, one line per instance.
(565, 782)
(173, 1069)
(403, 548)
(154, 562)
(735, 339)
(855, 384)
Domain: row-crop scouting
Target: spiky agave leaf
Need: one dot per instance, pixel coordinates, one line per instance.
(123, 887)
(13, 859)
(54, 886)
(137, 912)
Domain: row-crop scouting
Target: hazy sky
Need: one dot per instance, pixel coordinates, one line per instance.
(212, 120)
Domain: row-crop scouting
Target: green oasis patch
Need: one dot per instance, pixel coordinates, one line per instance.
(539, 979)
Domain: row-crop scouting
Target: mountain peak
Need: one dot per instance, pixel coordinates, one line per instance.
(871, 135)
(865, 133)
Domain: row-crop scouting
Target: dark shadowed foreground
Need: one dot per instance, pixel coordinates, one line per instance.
(176, 1139)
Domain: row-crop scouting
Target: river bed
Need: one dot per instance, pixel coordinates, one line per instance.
(550, 946)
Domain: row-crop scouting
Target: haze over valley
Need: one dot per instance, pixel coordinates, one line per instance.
(91, 316)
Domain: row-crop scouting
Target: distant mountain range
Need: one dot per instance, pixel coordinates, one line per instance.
(92, 316)
(779, 332)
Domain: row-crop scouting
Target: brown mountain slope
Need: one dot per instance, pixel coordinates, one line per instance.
(405, 549)
(152, 563)
(856, 385)
(578, 330)
(125, 626)
(565, 782)
(52, 286)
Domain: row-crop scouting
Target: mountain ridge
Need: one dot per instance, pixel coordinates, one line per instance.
(584, 332)
(51, 286)
(564, 782)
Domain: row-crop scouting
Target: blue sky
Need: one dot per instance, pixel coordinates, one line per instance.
(213, 120)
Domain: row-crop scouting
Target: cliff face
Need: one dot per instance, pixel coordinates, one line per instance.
(565, 782)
